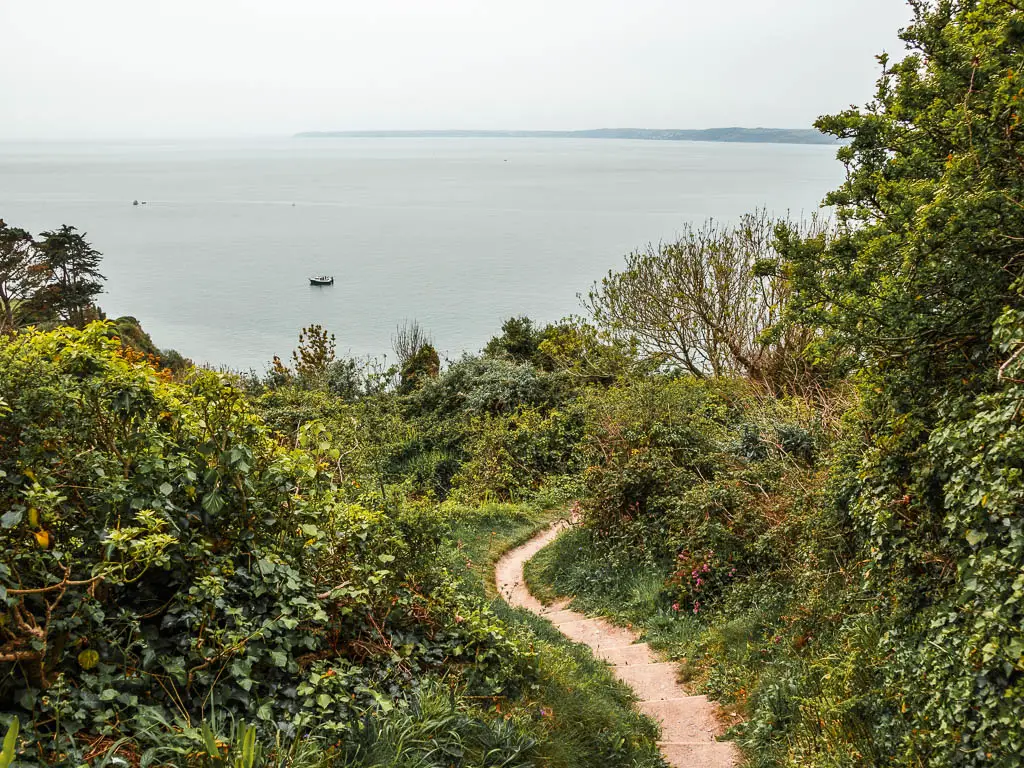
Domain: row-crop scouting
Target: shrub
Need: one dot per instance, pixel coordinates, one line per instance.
(476, 386)
(165, 554)
(511, 456)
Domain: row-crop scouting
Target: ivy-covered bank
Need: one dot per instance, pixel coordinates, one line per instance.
(855, 590)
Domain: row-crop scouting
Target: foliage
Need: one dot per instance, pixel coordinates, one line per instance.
(73, 279)
(647, 442)
(21, 274)
(314, 356)
(576, 349)
(519, 341)
(409, 340)
(129, 332)
(165, 555)
(476, 386)
(706, 304)
(918, 285)
(418, 369)
(345, 379)
(511, 456)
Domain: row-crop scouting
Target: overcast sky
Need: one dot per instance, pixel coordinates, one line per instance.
(164, 68)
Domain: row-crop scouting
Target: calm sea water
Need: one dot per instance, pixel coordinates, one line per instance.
(455, 233)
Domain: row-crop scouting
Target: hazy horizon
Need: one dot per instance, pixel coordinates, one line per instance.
(298, 134)
(216, 263)
(119, 69)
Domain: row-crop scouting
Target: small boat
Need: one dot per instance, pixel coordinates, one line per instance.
(322, 280)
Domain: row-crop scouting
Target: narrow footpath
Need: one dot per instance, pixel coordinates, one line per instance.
(688, 723)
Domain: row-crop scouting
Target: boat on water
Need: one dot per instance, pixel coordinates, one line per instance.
(322, 280)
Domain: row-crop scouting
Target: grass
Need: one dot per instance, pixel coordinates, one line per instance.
(481, 535)
(584, 716)
(570, 567)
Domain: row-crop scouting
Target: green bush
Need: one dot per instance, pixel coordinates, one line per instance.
(511, 456)
(164, 555)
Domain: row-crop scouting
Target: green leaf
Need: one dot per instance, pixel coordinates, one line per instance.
(213, 502)
(209, 740)
(386, 558)
(10, 519)
(88, 659)
(324, 700)
(974, 538)
(166, 489)
(109, 694)
(10, 742)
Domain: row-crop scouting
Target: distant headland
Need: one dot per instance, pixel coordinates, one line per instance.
(749, 135)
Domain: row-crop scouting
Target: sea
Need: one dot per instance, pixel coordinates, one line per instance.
(456, 234)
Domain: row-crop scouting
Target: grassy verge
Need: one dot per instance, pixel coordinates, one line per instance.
(481, 535)
(583, 716)
(571, 567)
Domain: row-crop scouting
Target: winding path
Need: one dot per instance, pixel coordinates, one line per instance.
(689, 724)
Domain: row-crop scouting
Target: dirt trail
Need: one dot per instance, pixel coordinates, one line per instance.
(689, 724)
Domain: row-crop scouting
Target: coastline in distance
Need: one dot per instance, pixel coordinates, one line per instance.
(749, 135)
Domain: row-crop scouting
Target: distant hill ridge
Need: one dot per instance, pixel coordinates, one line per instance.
(750, 135)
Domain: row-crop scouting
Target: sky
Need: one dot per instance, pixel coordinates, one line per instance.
(218, 68)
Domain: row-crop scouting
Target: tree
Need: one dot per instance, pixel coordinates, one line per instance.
(21, 274)
(925, 284)
(708, 303)
(73, 279)
(315, 354)
(934, 199)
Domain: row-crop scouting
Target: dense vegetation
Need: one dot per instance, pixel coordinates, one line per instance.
(796, 451)
(853, 585)
(178, 577)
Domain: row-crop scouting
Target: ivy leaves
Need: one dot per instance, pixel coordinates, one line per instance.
(192, 561)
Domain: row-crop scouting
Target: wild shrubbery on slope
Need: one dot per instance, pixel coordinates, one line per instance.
(165, 558)
(874, 616)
